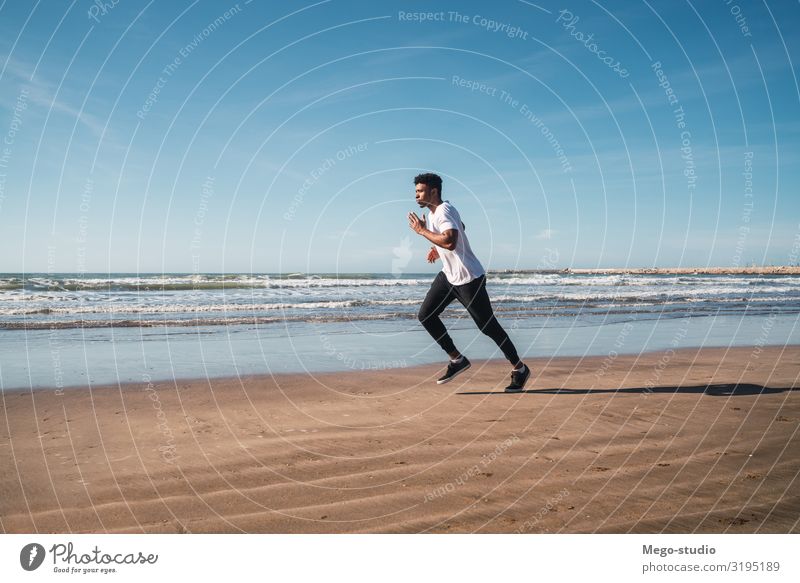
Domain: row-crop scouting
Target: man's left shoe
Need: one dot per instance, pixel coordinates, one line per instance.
(454, 369)
(518, 379)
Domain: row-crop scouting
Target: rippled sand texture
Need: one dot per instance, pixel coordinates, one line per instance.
(685, 441)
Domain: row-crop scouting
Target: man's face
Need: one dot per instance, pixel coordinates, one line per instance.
(425, 195)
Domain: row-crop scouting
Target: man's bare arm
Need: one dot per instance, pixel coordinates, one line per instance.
(446, 240)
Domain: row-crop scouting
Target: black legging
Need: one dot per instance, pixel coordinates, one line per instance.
(474, 297)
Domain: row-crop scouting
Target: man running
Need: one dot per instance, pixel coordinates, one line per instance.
(462, 277)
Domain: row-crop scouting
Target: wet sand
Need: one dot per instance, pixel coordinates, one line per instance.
(685, 441)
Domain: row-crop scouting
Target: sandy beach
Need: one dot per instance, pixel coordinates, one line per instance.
(685, 441)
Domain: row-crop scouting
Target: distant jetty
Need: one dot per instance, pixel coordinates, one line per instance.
(768, 270)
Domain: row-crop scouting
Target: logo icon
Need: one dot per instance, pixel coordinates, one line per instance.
(402, 255)
(31, 556)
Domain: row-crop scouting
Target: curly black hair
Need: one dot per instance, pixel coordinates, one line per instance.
(431, 180)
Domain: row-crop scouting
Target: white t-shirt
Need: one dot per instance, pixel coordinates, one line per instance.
(460, 266)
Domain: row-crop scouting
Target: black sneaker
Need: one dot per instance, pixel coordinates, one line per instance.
(518, 379)
(454, 369)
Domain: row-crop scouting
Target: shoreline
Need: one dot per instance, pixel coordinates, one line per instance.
(422, 368)
(684, 440)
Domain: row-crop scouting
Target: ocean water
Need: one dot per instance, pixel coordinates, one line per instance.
(76, 329)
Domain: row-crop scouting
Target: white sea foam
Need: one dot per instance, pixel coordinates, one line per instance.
(42, 298)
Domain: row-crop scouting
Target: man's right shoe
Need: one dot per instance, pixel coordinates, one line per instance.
(453, 370)
(518, 379)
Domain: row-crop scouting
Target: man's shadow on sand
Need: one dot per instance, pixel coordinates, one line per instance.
(723, 390)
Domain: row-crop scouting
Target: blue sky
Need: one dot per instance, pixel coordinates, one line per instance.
(284, 136)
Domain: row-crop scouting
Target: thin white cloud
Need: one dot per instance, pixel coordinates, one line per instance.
(546, 234)
(43, 94)
(342, 234)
